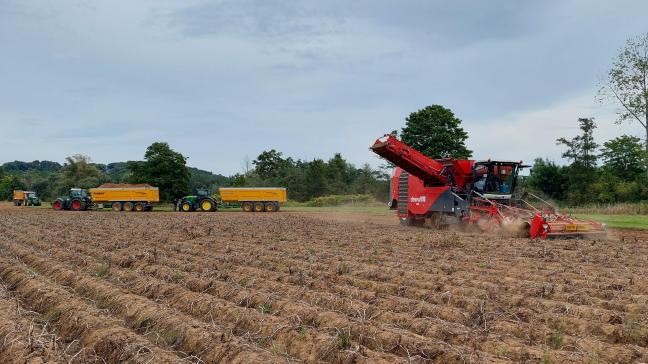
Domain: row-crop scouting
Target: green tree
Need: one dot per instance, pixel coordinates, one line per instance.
(164, 168)
(337, 174)
(549, 178)
(627, 84)
(624, 157)
(436, 132)
(315, 179)
(9, 183)
(269, 164)
(581, 151)
(78, 171)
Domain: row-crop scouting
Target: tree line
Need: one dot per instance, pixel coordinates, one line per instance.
(166, 169)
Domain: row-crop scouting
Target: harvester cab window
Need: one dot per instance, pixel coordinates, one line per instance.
(496, 177)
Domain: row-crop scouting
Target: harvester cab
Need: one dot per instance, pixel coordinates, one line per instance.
(77, 200)
(201, 201)
(496, 180)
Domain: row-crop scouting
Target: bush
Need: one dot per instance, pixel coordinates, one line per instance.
(337, 200)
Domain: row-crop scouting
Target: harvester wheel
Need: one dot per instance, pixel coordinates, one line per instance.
(116, 206)
(128, 206)
(259, 207)
(139, 207)
(77, 205)
(57, 205)
(207, 205)
(247, 207)
(185, 207)
(271, 207)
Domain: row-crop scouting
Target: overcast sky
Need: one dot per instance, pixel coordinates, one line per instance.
(222, 80)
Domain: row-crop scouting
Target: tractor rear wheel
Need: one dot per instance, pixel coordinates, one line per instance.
(271, 207)
(128, 206)
(186, 207)
(77, 205)
(259, 207)
(247, 207)
(57, 205)
(116, 206)
(139, 207)
(206, 205)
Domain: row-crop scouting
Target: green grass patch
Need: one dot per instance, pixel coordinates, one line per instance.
(618, 221)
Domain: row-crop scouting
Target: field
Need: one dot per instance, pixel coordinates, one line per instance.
(310, 287)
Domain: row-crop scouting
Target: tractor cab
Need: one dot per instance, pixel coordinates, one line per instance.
(32, 199)
(496, 180)
(201, 201)
(78, 193)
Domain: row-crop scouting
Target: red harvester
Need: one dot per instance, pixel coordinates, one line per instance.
(471, 193)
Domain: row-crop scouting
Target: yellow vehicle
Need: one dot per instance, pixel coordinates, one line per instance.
(257, 199)
(124, 197)
(25, 198)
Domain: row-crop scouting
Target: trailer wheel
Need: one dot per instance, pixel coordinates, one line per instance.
(139, 207)
(272, 206)
(77, 205)
(247, 207)
(185, 206)
(128, 206)
(259, 207)
(116, 206)
(57, 205)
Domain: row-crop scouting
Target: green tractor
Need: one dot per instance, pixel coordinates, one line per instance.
(202, 201)
(77, 200)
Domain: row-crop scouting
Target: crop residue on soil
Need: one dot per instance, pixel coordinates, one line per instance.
(165, 287)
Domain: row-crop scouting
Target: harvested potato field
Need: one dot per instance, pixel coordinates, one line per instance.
(298, 287)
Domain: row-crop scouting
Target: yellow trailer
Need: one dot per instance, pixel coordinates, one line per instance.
(256, 199)
(125, 197)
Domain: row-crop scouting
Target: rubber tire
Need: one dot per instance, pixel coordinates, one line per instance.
(259, 207)
(117, 206)
(271, 207)
(247, 207)
(57, 205)
(186, 207)
(206, 205)
(139, 207)
(77, 205)
(128, 206)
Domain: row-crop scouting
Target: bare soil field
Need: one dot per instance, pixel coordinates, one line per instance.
(303, 287)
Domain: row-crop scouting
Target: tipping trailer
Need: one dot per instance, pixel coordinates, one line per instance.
(118, 197)
(257, 199)
(470, 193)
(25, 198)
(125, 197)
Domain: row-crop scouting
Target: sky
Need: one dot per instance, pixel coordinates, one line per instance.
(221, 81)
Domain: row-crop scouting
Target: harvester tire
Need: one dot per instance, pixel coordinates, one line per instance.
(128, 206)
(207, 205)
(186, 207)
(271, 206)
(116, 206)
(77, 205)
(57, 205)
(259, 207)
(139, 207)
(247, 207)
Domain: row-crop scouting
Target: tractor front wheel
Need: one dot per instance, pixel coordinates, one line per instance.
(247, 207)
(185, 207)
(57, 205)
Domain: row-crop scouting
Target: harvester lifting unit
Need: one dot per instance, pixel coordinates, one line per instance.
(471, 193)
